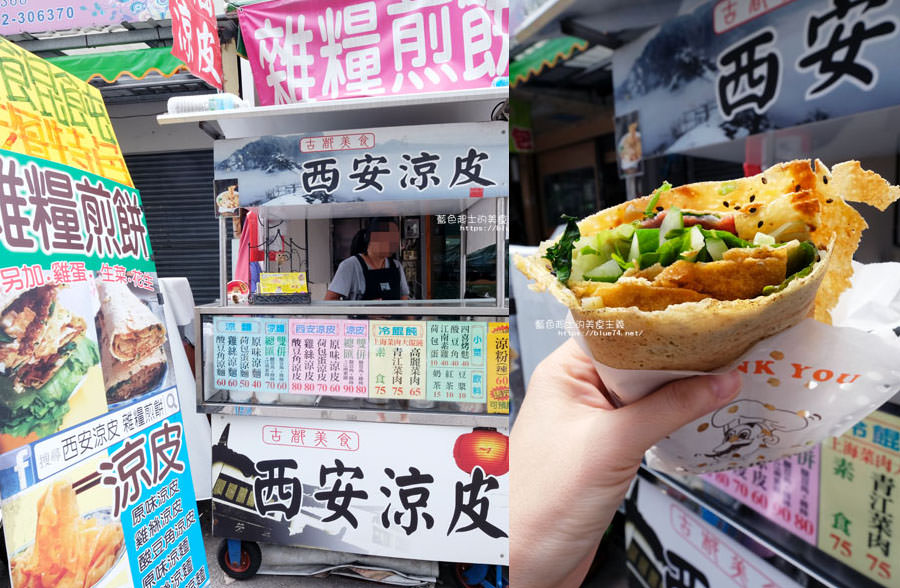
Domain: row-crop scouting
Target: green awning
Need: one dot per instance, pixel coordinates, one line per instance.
(542, 56)
(113, 65)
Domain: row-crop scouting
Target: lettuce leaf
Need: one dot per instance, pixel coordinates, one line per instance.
(560, 254)
(42, 410)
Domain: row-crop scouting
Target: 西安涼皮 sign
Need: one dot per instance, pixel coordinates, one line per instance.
(727, 69)
(460, 161)
(395, 490)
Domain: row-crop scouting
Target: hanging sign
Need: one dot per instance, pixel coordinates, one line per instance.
(396, 490)
(461, 161)
(40, 16)
(731, 68)
(195, 39)
(313, 50)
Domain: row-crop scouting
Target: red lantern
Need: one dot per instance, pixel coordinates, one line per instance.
(486, 448)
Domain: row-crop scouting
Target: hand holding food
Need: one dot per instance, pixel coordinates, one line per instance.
(573, 458)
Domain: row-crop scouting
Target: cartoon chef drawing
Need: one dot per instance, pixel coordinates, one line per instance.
(750, 425)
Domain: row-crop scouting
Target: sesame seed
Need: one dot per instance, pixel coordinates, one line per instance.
(764, 181)
(797, 188)
(725, 204)
(737, 206)
(759, 224)
(829, 201)
(752, 197)
(752, 209)
(825, 179)
(659, 208)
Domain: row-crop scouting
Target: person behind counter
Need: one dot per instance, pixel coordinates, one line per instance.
(371, 272)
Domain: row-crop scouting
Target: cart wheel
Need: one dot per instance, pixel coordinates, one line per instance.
(251, 557)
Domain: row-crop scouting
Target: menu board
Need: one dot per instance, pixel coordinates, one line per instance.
(498, 368)
(397, 359)
(456, 361)
(250, 354)
(859, 501)
(785, 491)
(329, 357)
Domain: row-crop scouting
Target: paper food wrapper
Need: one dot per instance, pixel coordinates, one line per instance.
(799, 387)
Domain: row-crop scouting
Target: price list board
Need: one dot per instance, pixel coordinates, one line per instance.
(397, 359)
(859, 497)
(456, 361)
(329, 357)
(250, 354)
(498, 368)
(785, 491)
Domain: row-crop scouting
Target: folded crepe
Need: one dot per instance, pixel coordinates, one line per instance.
(22, 318)
(698, 313)
(130, 328)
(126, 380)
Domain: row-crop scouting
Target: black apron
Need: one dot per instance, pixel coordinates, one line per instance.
(381, 283)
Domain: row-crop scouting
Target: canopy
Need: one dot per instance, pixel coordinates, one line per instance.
(544, 55)
(113, 65)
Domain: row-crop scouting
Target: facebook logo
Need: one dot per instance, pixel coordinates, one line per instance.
(17, 472)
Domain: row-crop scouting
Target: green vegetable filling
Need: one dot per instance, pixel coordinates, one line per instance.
(607, 255)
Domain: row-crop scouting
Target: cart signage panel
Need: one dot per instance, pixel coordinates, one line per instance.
(859, 503)
(251, 354)
(666, 544)
(498, 368)
(462, 161)
(395, 490)
(329, 357)
(457, 361)
(315, 50)
(785, 491)
(118, 486)
(397, 359)
(729, 69)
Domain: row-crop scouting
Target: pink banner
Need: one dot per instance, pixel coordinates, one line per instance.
(785, 491)
(304, 51)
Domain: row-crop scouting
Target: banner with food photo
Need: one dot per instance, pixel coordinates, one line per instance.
(81, 333)
(107, 503)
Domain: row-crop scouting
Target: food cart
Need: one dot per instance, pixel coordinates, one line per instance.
(373, 427)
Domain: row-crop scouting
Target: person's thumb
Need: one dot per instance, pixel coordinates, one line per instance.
(674, 405)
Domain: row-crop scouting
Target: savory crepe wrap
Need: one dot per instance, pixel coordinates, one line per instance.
(22, 316)
(729, 263)
(130, 329)
(126, 380)
(45, 355)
